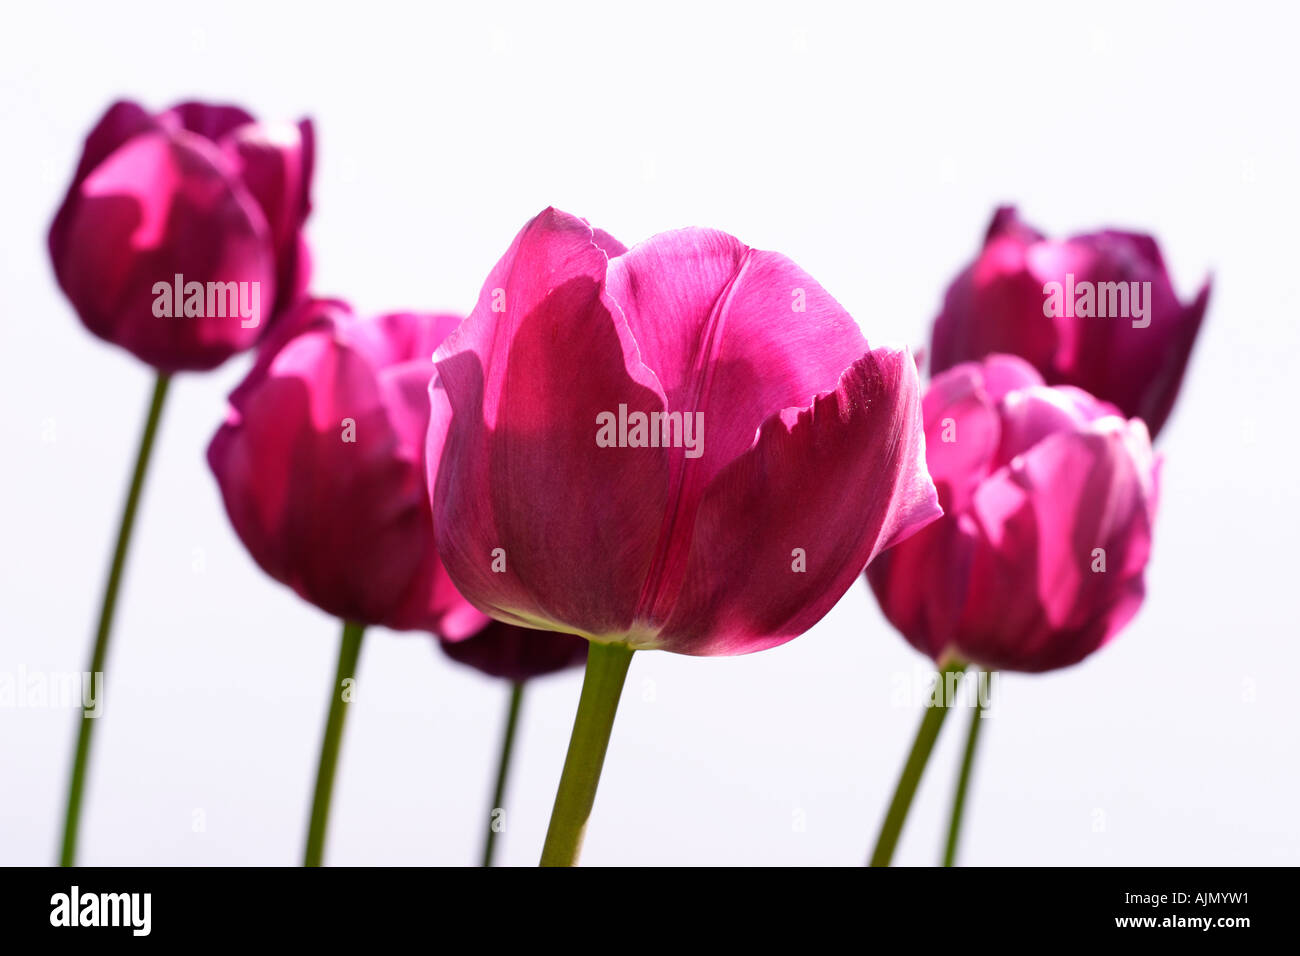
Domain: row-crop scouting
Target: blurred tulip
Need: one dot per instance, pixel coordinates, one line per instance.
(565, 498)
(320, 465)
(1116, 328)
(180, 238)
(1049, 498)
(686, 446)
(515, 653)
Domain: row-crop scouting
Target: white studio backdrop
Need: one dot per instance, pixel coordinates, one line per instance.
(868, 142)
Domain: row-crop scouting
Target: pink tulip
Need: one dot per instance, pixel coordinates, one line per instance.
(566, 499)
(516, 653)
(320, 464)
(1116, 328)
(180, 236)
(1049, 498)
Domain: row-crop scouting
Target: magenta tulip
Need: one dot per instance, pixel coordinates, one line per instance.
(320, 465)
(1049, 497)
(180, 238)
(687, 446)
(1096, 311)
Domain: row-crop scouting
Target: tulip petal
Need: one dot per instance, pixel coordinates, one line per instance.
(962, 433)
(297, 493)
(121, 122)
(774, 547)
(276, 163)
(1038, 598)
(517, 653)
(211, 121)
(921, 583)
(159, 206)
(516, 400)
(995, 305)
(731, 331)
(320, 467)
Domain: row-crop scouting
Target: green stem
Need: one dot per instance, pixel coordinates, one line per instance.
(601, 688)
(349, 651)
(935, 711)
(503, 769)
(77, 785)
(963, 780)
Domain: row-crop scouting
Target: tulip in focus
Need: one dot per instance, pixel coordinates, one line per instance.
(1096, 311)
(685, 446)
(201, 200)
(1049, 499)
(726, 537)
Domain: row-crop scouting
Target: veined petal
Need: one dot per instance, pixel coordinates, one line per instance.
(540, 525)
(774, 546)
(731, 331)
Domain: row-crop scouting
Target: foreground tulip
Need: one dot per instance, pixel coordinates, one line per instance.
(518, 655)
(1097, 311)
(321, 467)
(688, 446)
(1049, 499)
(179, 240)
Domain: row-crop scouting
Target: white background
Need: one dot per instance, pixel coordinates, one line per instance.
(869, 144)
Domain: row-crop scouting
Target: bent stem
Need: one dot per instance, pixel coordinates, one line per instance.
(503, 769)
(963, 780)
(935, 711)
(77, 783)
(349, 651)
(601, 688)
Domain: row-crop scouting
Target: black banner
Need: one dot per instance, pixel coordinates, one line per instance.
(96, 905)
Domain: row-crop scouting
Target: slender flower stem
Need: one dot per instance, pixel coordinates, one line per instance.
(963, 781)
(503, 768)
(935, 711)
(349, 651)
(77, 784)
(601, 688)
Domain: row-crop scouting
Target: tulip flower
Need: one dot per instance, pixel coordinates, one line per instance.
(686, 446)
(321, 467)
(1049, 499)
(517, 655)
(179, 239)
(1096, 311)
(178, 223)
